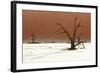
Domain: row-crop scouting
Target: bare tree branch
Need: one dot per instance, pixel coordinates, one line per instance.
(75, 21)
(78, 42)
(75, 30)
(64, 31)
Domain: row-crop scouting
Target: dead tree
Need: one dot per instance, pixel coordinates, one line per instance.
(33, 38)
(74, 39)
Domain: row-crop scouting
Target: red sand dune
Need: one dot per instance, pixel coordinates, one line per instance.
(43, 25)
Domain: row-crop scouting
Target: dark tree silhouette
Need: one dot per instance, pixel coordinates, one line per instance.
(75, 38)
(33, 41)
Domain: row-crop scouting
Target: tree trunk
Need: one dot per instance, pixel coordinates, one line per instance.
(33, 38)
(72, 46)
